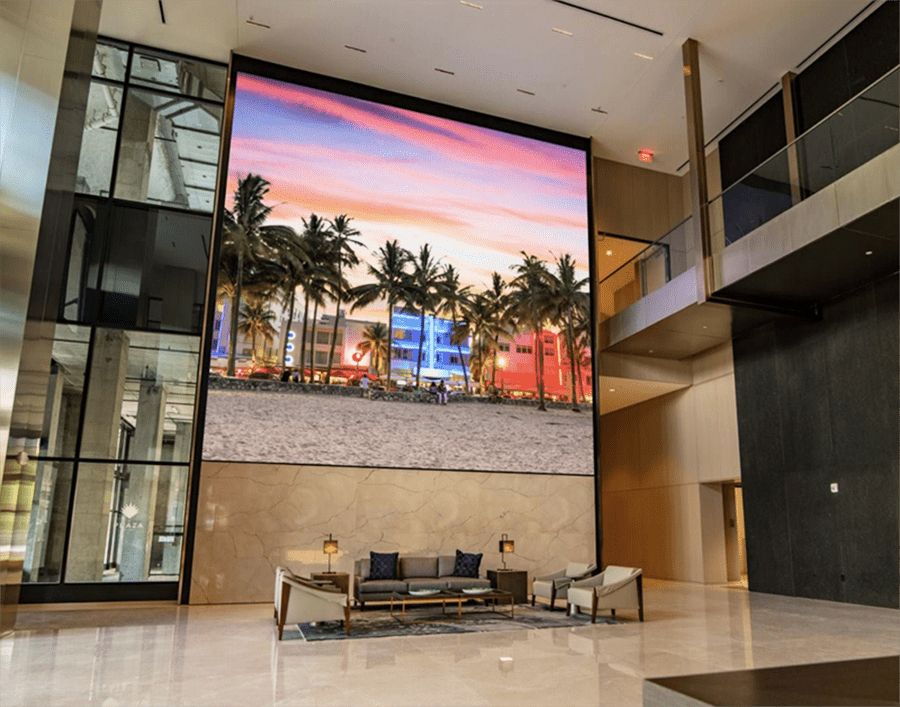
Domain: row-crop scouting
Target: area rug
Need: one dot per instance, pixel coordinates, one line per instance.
(380, 624)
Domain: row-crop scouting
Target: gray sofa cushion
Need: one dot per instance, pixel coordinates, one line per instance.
(427, 583)
(381, 586)
(465, 582)
(418, 567)
(446, 563)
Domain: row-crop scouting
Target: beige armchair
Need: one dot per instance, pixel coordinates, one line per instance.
(551, 586)
(614, 588)
(298, 600)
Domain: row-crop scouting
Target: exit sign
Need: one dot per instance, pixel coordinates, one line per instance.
(645, 155)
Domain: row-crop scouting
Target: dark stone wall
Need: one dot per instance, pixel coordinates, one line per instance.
(817, 404)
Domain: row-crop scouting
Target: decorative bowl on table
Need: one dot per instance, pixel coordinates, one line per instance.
(476, 590)
(423, 592)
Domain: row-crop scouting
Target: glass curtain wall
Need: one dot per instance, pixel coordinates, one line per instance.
(112, 472)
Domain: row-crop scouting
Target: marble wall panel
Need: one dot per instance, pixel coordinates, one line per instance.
(254, 517)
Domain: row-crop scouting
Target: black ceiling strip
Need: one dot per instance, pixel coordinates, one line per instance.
(843, 27)
(162, 12)
(610, 17)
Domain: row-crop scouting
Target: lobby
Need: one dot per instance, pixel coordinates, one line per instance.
(736, 375)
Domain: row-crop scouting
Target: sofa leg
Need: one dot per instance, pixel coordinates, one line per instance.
(553, 597)
(347, 619)
(594, 609)
(640, 588)
(612, 612)
(532, 599)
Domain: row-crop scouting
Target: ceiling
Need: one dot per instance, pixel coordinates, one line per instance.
(508, 45)
(618, 393)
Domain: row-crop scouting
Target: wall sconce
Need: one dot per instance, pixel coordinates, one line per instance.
(506, 545)
(330, 548)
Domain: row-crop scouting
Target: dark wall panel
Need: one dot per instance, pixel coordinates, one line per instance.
(817, 404)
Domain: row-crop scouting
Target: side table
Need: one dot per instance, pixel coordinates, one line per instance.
(515, 581)
(341, 580)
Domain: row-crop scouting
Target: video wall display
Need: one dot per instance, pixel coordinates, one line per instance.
(398, 289)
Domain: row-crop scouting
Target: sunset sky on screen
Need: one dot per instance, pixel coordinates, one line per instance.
(478, 196)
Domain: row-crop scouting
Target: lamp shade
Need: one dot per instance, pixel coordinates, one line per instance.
(331, 546)
(507, 546)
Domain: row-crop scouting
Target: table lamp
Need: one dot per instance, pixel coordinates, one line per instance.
(330, 548)
(506, 545)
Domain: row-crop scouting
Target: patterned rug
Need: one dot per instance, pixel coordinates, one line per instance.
(380, 624)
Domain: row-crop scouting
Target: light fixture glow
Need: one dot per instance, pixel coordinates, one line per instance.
(612, 390)
(643, 56)
(650, 351)
(869, 252)
(645, 155)
(471, 4)
(563, 31)
(609, 252)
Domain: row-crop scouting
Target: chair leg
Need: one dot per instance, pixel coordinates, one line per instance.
(594, 608)
(640, 588)
(532, 599)
(285, 596)
(553, 597)
(347, 619)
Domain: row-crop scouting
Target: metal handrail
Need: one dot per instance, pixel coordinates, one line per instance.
(654, 244)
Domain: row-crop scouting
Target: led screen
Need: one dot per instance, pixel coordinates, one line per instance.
(397, 289)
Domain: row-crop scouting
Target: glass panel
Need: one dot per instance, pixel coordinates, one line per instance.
(110, 61)
(851, 136)
(65, 385)
(127, 523)
(646, 272)
(141, 396)
(169, 152)
(47, 524)
(98, 142)
(187, 76)
(155, 274)
(85, 252)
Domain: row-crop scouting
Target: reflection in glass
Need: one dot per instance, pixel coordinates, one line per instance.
(168, 73)
(110, 61)
(127, 523)
(65, 385)
(98, 142)
(169, 151)
(155, 272)
(140, 402)
(47, 524)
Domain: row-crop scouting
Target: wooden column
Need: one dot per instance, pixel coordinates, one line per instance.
(697, 159)
(790, 129)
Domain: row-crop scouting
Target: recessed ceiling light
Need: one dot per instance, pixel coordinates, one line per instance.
(869, 252)
(355, 49)
(444, 71)
(650, 351)
(612, 390)
(563, 31)
(251, 21)
(705, 327)
(527, 93)
(471, 4)
(609, 252)
(643, 56)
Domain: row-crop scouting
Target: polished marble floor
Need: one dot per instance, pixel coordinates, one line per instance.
(229, 655)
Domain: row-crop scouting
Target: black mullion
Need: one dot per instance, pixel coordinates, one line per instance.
(171, 93)
(96, 460)
(122, 110)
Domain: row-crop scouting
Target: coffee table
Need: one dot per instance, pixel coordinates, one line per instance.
(452, 595)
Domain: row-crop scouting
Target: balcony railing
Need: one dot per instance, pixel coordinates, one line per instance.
(858, 131)
(661, 261)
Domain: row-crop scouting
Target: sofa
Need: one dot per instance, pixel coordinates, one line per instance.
(412, 573)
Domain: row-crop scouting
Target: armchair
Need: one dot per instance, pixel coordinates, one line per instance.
(298, 601)
(551, 586)
(614, 588)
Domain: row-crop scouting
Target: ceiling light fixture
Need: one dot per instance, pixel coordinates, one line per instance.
(643, 56)
(253, 22)
(608, 17)
(444, 71)
(471, 4)
(563, 31)
(869, 252)
(650, 351)
(527, 93)
(609, 252)
(598, 109)
(612, 390)
(355, 49)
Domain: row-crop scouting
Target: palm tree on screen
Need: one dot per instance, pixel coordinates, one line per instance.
(565, 299)
(315, 235)
(454, 301)
(423, 293)
(256, 322)
(376, 340)
(343, 255)
(528, 304)
(245, 235)
(295, 261)
(496, 300)
(390, 284)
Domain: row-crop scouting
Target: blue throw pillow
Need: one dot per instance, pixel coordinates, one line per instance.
(383, 565)
(467, 564)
